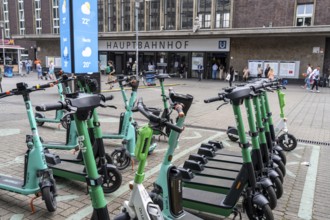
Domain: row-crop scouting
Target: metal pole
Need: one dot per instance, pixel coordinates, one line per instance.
(3, 45)
(137, 6)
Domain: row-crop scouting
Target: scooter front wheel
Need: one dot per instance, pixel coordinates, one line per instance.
(48, 197)
(65, 122)
(39, 115)
(288, 145)
(270, 195)
(113, 180)
(258, 212)
(120, 159)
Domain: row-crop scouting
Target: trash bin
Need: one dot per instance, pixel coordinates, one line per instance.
(150, 78)
(8, 71)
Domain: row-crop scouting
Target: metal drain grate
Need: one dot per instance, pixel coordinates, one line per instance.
(314, 142)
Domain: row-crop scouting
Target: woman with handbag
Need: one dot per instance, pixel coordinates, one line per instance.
(231, 73)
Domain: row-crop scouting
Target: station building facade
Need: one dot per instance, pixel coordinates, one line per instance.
(288, 35)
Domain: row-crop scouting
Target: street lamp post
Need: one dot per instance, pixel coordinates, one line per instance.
(137, 6)
(3, 42)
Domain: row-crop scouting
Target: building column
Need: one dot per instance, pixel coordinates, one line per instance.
(132, 16)
(195, 10)
(162, 14)
(213, 9)
(118, 17)
(178, 15)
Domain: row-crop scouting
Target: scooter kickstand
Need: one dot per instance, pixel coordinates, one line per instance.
(31, 202)
(236, 212)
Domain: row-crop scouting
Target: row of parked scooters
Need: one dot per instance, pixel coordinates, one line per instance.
(213, 180)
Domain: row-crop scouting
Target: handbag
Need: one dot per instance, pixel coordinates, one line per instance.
(228, 77)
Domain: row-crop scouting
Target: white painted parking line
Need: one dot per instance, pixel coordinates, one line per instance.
(306, 202)
(196, 135)
(125, 188)
(67, 197)
(17, 217)
(289, 173)
(296, 155)
(7, 132)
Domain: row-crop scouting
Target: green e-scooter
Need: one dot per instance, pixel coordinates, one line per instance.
(38, 178)
(82, 107)
(121, 156)
(255, 204)
(41, 119)
(287, 141)
(140, 206)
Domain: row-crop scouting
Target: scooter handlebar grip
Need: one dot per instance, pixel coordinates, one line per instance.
(106, 98)
(214, 99)
(44, 86)
(146, 113)
(173, 127)
(50, 107)
(179, 109)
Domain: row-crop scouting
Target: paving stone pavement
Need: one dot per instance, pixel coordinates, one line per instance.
(303, 198)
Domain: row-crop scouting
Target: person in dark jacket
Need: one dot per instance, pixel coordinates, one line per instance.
(231, 72)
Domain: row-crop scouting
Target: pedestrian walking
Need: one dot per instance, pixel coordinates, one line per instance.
(307, 77)
(270, 74)
(267, 70)
(200, 71)
(246, 74)
(259, 71)
(315, 77)
(231, 73)
(51, 70)
(110, 71)
(221, 72)
(214, 71)
(39, 70)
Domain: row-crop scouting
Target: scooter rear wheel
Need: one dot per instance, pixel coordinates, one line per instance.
(120, 159)
(39, 115)
(113, 182)
(290, 145)
(282, 155)
(49, 199)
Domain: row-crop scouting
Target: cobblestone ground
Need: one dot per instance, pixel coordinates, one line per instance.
(305, 186)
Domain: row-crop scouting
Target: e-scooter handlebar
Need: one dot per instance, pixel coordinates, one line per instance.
(153, 118)
(50, 107)
(220, 97)
(179, 109)
(106, 98)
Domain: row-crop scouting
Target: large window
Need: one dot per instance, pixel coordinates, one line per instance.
(222, 14)
(112, 15)
(186, 18)
(56, 17)
(6, 19)
(154, 15)
(204, 13)
(21, 19)
(125, 15)
(304, 15)
(100, 15)
(170, 15)
(37, 14)
(141, 17)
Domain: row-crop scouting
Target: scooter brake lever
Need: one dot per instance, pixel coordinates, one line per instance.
(225, 103)
(109, 106)
(71, 111)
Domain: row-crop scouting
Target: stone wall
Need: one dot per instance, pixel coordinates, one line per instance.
(279, 48)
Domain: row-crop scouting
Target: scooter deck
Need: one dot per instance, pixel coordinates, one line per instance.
(229, 153)
(205, 201)
(69, 170)
(11, 181)
(223, 165)
(69, 157)
(226, 158)
(212, 172)
(210, 184)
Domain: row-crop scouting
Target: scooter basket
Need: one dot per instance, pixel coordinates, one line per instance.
(186, 100)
